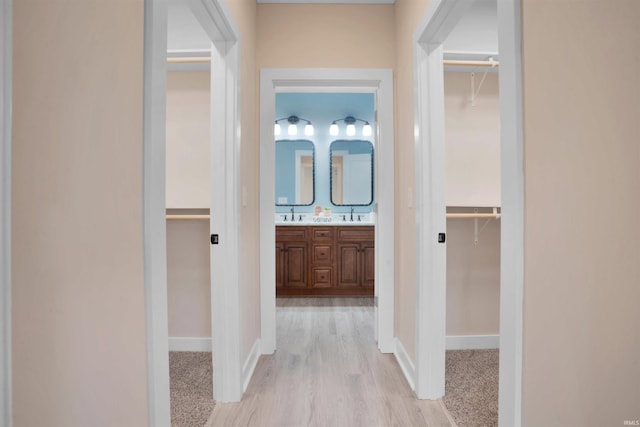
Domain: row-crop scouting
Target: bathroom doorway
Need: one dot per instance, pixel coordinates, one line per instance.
(324, 202)
(376, 83)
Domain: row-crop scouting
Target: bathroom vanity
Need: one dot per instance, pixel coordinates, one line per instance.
(325, 260)
(320, 253)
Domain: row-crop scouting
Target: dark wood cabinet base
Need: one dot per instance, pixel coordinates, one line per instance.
(325, 261)
(328, 292)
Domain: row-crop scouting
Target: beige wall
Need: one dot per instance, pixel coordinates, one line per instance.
(78, 304)
(188, 278)
(188, 186)
(409, 13)
(342, 36)
(473, 278)
(473, 140)
(582, 259)
(472, 179)
(244, 13)
(188, 139)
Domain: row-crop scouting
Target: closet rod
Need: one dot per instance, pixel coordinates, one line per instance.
(463, 63)
(187, 59)
(473, 215)
(169, 217)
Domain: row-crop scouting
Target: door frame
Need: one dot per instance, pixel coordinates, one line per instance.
(380, 82)
(218, 23)
(439, 20)
(6, 64)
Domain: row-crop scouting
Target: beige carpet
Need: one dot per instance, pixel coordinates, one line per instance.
(471, 387)
(191, 385)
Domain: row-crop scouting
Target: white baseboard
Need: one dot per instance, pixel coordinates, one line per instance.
(408, 369)
(250, 364)
(472, 342)
(189, 344)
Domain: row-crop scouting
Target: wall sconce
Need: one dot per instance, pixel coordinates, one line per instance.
(350, 121)
(292, 129)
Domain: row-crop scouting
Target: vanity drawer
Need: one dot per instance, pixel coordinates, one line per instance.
(322, 254)
(356, 234)
(289, 233)
(322, 277)
(322, 233)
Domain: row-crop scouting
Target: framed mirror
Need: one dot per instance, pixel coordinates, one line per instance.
(351, 166)
(295, 172)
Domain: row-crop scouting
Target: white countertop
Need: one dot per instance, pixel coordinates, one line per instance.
(335, 219)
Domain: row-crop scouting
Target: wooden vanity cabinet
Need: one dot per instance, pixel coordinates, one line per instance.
(291, 258)
(325, 260)
(356, 254)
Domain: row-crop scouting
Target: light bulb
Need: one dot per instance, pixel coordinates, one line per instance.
(351, 130)
(308, 129)
(276, 129)
(366, 130)
(333, 129)
(293, 130)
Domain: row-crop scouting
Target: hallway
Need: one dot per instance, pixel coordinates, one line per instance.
(328, 371)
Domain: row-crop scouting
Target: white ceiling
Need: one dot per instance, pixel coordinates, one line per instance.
(185, 32)
(477, 31)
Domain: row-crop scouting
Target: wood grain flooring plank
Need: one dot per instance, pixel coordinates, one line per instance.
(327, 372)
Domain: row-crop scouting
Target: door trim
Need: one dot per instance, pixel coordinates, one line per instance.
(439, 19)
(512, 219)
(226, 291)
(154, 211)
(380, 82)
(6, 41)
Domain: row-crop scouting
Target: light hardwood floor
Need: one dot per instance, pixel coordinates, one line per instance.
(328, 371)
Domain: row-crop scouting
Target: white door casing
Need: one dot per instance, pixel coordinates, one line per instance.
(379, 82)
(6, 37)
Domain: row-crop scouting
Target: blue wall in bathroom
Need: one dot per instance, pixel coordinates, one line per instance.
(322, 109)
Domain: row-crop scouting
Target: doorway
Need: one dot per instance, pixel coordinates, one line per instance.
(441, 17)
(378, 82)
(218, 24)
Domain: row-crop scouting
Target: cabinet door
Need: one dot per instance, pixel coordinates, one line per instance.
(368, 257)
(295, 265)
(348, 265)
(279, 264)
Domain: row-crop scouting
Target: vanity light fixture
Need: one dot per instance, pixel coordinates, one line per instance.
(350, 130)
(292, 129)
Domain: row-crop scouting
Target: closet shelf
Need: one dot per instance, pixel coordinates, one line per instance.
(473, 215)
(186, 216)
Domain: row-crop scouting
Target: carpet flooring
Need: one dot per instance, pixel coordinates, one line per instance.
(191, 388)
(471, 387)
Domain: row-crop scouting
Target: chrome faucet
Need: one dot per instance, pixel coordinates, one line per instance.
(293, 218)
(351, 213)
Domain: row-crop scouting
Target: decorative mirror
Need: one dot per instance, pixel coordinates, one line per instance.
(295, 173)
(351, 163)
